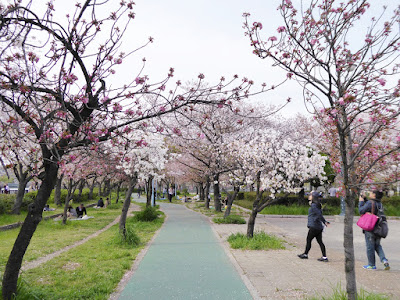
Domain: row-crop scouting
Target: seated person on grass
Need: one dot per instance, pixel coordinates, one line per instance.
(71, 213)
(80, 210)
(100, 203)
(47, 208)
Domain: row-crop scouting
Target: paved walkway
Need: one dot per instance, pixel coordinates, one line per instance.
(185, 261)
(280, 274)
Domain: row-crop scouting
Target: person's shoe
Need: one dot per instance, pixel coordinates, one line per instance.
(303, 256)
(368, 267)
(386, 265)
(323, 258)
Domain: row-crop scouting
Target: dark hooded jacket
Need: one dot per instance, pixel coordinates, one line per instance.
(315, 217)
(366, 206)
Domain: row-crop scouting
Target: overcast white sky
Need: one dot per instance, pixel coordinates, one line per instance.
(206, 36)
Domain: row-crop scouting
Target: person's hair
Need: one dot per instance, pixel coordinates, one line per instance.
(81, 204)
(378, 194)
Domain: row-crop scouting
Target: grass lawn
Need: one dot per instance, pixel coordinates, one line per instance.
(51, 235)
(6, 219)
(260, 241)
(89, 271)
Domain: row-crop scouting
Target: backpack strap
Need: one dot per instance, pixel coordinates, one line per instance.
(372, 207)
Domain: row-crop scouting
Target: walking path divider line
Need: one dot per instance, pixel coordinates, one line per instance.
(41, 260)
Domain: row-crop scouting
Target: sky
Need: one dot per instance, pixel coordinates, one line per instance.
(206, 36)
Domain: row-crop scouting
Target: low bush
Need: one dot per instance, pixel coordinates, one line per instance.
(147, 215)
(7, 203)
(231, 219)
(260, 241)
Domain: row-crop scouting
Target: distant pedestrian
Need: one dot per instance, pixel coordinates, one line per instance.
(170, 193)
(315, 224)
(6, 189)
(164, 192)
(373, 242)
(332, 192)
(139, 191)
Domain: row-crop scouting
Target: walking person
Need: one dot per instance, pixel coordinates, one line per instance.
(170, 193)
(373, 242)
(315, 224)
(139, 191)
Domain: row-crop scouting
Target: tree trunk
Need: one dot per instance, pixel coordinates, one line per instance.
(300, 198)
(80, 190)
(252, 219)
(57, 191)
(217, 196)
(127, 203)
(23, 181)
(91, 188)
(100, 189)
(251, 222)
(349, 179)
(231, 198)
(35, 211)
(149, 191)
(351, 285)
(207, 193)
(201, 192)
(118, 190)
(107, 188)
(71, 191)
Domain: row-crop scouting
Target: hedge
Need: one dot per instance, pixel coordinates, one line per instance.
(7, 200)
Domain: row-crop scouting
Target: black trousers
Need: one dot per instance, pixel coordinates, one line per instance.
(315, 233)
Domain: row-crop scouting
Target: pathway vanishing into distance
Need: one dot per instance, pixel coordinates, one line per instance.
(185, 261)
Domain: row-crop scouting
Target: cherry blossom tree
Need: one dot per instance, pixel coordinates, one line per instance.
(23, 157)
(57, 89)
(144, 157)
(205, 138)
(349, 73)
(275, 163)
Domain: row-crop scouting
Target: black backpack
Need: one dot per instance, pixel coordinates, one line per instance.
(381, 227)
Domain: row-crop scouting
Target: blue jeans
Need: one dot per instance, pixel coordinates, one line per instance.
(373, 244)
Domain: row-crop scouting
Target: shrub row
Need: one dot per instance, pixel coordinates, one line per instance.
(7, 200)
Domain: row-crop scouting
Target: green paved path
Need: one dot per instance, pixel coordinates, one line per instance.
(185, 261)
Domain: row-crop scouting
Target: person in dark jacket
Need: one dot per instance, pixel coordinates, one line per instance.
(373, 243)
(100, 203)
(80, 210)
(315, 224)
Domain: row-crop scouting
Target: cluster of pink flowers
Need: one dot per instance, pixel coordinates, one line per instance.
(70, 78)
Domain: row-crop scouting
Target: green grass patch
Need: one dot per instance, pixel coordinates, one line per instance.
(91, 270)
(51, 235)
(260, 241)
(285, 210)
(231, 219)
(6, 219)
